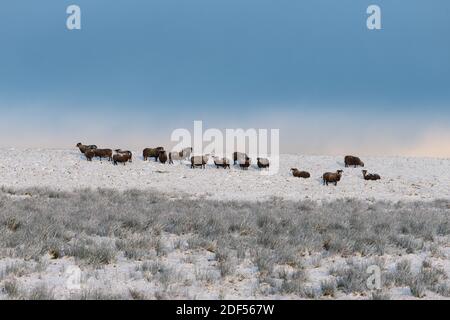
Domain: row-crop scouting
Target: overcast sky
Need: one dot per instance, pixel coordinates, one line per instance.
(137, 70)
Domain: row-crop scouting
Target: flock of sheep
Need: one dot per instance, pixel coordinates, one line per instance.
(240, 158)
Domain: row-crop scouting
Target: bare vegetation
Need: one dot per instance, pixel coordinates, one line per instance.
(279, 239)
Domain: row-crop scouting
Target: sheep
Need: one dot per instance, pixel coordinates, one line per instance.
(221, 162)
(89, 153)
(186, 153)
(103, 153)
(245, 165)
(353, 161)
(239, 156)
(125, 152)
(199, 161)
(370, 176)
(263, 162)
(151, 153)
(332, 177)
(122, 158)
(300, 174)
(162, 156)
(182, 155)
(83, 147)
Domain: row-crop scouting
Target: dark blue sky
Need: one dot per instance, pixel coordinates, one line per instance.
(223, 61)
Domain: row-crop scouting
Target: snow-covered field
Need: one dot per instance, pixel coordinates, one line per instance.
(152, 231)
(402, 178)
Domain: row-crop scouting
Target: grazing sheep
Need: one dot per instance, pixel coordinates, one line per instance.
(199, 161)
(370, 176)
(221, 162)
(263, 162)
(353, 161)
(245, 165)
(182, 155)
(300, 174)
(122, 158)
(126, 152)
(83, 147)
(239, 156)
(332, 177)
(151, 153)
(103, 153)
(89, 153)
(186, 153)
(162, 156)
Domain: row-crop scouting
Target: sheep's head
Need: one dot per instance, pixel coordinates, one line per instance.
(364, 172)
(362, 164)
(339, 172)
(79, 144)
(294, 169)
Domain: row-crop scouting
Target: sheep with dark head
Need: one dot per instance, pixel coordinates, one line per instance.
(353, 161)
(151, 153)
(263, 162)
(370, 176)
(332, 177)
(199, 161)
(221, 162)
(180, 155)
(83, 147)
(300, 174)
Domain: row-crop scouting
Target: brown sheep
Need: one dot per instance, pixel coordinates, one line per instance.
(162, 156)
(353, 161)
(300, 174)
(199, 161)
(103, 153)
(122, 158)
(83, 147)
(263, 163)
(370, 176)
(245, 165)
(332, 177)
(221, 162)
(151, 153)
(125, 152)
(239, 156)
(89, 153)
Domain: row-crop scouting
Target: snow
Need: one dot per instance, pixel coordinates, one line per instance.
(403, 178)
